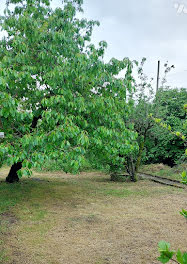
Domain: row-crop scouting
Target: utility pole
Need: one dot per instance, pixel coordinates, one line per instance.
(158, 77)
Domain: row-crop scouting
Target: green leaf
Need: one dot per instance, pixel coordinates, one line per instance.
(163, 259)
(165, 253)
(20, 174)
(163, 246)
(184, 213)
(179, 257)
(185, 258)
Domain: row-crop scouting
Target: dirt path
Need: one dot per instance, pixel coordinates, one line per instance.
(89, 220)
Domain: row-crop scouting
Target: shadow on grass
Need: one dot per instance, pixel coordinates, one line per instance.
(29, 190)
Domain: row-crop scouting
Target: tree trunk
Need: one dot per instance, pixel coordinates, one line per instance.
(139, 158)
(131, 169)
(13, 176)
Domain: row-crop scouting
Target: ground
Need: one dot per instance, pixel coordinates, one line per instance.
(57, 218)
(162, 170)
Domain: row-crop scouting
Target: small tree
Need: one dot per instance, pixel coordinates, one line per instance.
(156, 145)
(142, 97)
(57, 96)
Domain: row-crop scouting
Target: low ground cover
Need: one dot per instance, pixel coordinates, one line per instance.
(60, 218)
(162, 170)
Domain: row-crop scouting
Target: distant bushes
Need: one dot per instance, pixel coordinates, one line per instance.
(161, 146)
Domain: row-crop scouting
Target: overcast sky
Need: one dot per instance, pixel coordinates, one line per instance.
(155, 29)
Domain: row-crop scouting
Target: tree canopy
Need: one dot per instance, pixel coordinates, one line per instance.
(58, 98)
(156, 145)
(162, 146)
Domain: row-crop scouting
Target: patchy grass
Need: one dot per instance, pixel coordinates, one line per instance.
(58, 218)
(164, 170)
(3, 254)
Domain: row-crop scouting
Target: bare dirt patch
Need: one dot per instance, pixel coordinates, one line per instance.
(8, 217)
(86, 219)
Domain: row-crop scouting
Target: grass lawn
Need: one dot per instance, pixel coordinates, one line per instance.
(164, 170)
(57, 218)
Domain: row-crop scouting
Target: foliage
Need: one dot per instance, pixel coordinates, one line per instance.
(166, 254)
(164, 248)
(184, 213)
(176, 134)
(161, 146)
(145, 102)
(155, 144)
(184, 177)
(58, 99)
(142, 98)
(57, 165)
(168, 127)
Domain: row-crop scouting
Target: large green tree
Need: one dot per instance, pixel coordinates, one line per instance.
(58, 99)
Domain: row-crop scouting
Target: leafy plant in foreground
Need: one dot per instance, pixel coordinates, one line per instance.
(167, 255)
(184, 213)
